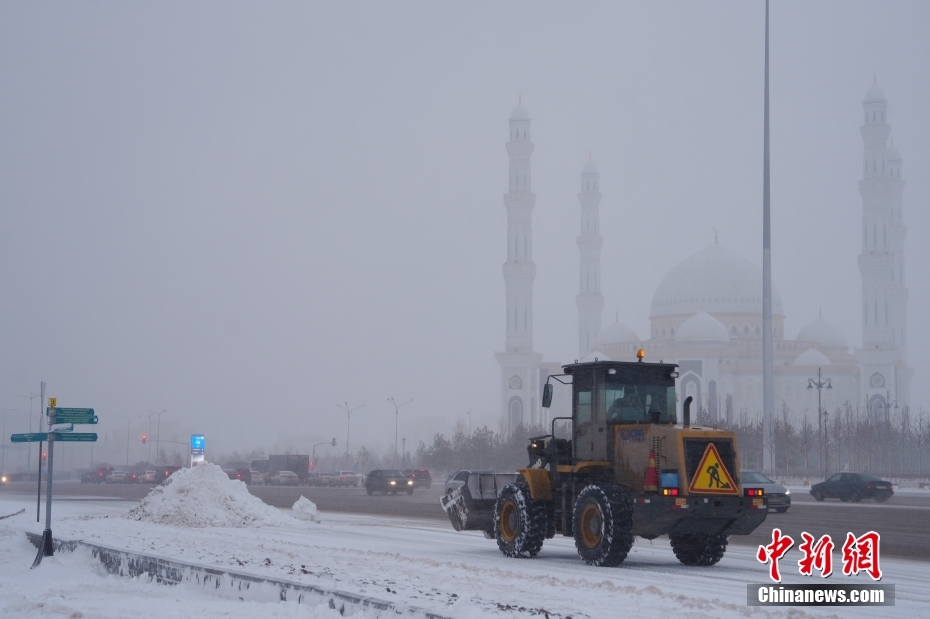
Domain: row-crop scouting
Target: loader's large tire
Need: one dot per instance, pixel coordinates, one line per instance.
(602, 523)
(701, 549)
(519, 521)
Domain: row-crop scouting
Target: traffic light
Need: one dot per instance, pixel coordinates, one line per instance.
(312, 464)
(334, 442)
(144, 438)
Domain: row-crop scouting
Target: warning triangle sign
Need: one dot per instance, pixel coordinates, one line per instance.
(711, 476)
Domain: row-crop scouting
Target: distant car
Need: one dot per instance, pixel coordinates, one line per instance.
(344, 478)
(460, 479)
(779, 497)
(285, 478)
(164, 473)
(388, 480)
(313, 478)
(421, 477)
(257, 477)
(325, 479)
(853, 487)
(134, 477)
(244, 475)
(149, 477)
(117, 477)
(97, 477)
(230, 473)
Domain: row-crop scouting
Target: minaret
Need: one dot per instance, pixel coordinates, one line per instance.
(589, 301)
(883, 358)
(519, 364)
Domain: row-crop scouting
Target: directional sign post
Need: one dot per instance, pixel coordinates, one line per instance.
(57, 419)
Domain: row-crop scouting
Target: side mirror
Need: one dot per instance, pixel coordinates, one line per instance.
(547, 395)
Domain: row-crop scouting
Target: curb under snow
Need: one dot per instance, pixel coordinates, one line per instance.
(233, 585)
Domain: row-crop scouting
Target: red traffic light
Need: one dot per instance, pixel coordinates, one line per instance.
(144, 437)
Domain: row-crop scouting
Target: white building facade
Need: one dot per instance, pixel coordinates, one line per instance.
(706, 313)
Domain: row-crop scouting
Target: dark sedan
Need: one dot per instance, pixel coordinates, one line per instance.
(388, 480)
(853, 487)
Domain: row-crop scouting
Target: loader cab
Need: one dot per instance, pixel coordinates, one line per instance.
(610, 393)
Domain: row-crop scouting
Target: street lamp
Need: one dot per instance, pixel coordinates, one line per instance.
(403, 453)
(129, 421)
(158, 440)
(348, 421)
(888, 403)
(396, 417)
(819, 384)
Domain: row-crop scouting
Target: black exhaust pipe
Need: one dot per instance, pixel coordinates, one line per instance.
(686, 412)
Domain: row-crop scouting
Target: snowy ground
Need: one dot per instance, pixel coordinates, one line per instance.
(423, 563)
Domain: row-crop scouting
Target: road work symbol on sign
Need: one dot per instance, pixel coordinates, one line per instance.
(711, 476)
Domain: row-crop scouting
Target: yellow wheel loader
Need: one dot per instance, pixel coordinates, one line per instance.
(630, 469)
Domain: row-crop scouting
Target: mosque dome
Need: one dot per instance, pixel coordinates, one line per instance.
(616, 333)
(874, 95)
(519, 113)
(589, 168)
(598, 355)
(716, 280)
(812, 356)
(822, 332)
(702, 327)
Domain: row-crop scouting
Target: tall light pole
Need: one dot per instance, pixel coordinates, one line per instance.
(348, 423)
(768, 365)
(31, 397)
(403, 453)
(396, 417)
(819, 384)
(3, 457)
(129, 421)
(157, 444)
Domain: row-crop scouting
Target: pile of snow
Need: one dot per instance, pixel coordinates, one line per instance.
(305, 509)
(204, 496)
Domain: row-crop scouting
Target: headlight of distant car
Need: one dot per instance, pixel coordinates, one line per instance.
(3, 479)
(410, 483)
(393, 483)
(787, 492)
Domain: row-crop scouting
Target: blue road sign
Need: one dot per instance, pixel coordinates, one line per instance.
(29, 437)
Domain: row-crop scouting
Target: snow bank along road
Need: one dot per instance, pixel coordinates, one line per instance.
(903, 522)
(419, 562)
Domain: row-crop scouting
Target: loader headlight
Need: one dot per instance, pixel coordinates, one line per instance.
(410, 483)
(787, 492)
(3, 479)
(393, 483)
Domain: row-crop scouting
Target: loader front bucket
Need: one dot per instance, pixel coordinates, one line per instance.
(470, 507)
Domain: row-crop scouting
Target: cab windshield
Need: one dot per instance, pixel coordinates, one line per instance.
(638, 403)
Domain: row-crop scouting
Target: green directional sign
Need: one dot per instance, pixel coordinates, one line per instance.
(29, 437)
(82, 437)
(79, 417)
(60, 410)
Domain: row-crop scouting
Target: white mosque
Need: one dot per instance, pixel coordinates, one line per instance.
(707, 311)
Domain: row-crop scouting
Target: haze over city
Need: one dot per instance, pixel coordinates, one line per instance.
(251, 214)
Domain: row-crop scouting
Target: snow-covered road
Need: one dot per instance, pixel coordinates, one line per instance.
(422, 563)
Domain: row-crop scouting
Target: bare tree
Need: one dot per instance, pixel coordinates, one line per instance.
(807, 439)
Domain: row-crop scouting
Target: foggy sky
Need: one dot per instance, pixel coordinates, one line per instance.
(249, 213)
